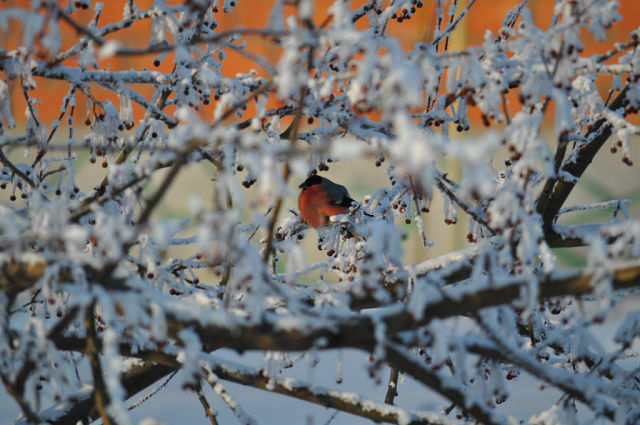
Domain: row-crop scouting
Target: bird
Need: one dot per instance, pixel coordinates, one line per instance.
(320, 199)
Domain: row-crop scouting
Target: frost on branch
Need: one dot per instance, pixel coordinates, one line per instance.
(107, 287)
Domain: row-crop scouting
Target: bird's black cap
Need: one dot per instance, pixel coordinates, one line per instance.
(311, 181)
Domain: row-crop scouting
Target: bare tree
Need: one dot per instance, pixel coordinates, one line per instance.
(92, 294)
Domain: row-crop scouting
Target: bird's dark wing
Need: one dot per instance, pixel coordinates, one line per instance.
(337, 193)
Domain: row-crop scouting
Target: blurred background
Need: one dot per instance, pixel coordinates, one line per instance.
(608, 178)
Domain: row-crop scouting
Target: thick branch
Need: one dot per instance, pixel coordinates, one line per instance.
(357, 330)
(555, 191)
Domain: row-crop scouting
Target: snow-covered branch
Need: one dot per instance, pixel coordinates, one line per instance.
(119, 267)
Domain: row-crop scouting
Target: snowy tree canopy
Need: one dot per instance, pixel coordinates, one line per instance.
(102, 295)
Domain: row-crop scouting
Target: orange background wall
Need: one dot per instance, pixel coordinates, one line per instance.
(485, 15)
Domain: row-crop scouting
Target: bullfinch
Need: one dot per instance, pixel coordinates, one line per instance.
(321, 198)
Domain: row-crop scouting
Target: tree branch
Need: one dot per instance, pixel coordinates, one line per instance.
(555, 191)
(332, 399)
(408, 364)
(100, 394)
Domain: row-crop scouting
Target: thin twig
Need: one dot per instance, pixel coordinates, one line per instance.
(178, 163)
(210, 413)
(154, 392)
(332, 399)
(392, 386)
(332, 417)
(100, 198)
(164, 47)
(470, 210)
(15, 169)
(505, 110)
(453, 24)
(100, 394)
(257, 92)
(219, 389)
(32, 111)
(76, 26)
(293, 136)
(405, 362)
(564, 383)
(18, 396)
(52, 172)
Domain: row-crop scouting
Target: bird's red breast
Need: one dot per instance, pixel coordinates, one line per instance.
(320, 199)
